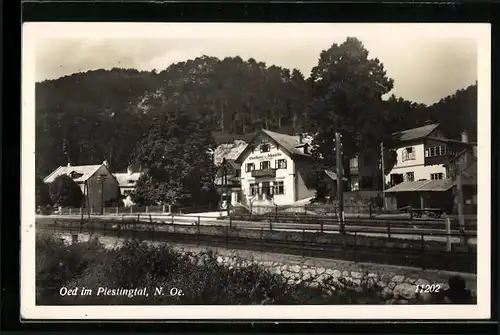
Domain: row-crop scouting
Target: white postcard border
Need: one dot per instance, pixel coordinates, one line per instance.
(34, 32)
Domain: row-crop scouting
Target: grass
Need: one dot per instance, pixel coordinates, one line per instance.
(201, 277)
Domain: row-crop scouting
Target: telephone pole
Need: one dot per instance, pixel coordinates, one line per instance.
(340, 195)
(382, 167)
(102, 178)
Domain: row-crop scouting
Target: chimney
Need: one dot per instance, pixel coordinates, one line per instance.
(427, 122)
(464, 137)
(129, 171)
(69, 164)
(105, 163)
(300, 138)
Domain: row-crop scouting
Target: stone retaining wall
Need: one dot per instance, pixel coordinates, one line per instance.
(396, 285)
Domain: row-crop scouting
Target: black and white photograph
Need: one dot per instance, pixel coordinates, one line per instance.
(255, 171)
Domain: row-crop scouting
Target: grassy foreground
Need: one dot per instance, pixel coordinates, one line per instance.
(201, 278)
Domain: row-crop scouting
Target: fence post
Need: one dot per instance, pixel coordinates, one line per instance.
(69, 211)
(170, 208)
(117, 210)
(422, 251)
(355, 246)
(163, 208)
(388, 230)
(91, 210)
(150, 219)
(103, 210)
(198, 220)
(276, 212)
(321, 222)
(303, 243)
(448, 232)
(131, 209)
(172, 215)
(261, 238)
(138, 217)
(230, 221)
(370, 211)
(271, 224)
(411, 214)
(147, 209)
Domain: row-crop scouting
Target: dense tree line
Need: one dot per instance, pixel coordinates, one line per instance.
(87, 117)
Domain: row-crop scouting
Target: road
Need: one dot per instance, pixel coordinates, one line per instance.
(412, 233)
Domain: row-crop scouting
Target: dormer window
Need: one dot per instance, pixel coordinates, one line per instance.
(264, 147)
(75, 175)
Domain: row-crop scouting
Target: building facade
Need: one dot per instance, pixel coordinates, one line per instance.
(127, 183)
(97, 183)
(420, 155)
(276, 169)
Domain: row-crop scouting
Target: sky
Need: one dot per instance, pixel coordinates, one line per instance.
(426, 61)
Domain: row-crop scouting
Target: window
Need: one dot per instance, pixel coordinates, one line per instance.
(126, 192)
(253, 189)
(409, 176)
(131, 181)
(264, 147)
(250, 167)
(281, 164)
(396, 178)
(437, 151)
(353, 163)
(265, 165)
(408, 154)
(435, 176)
(279, 187)
(237, 172)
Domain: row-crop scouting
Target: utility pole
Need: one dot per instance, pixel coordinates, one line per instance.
(460, 194)
(88, 198)
(102, 178)
(338, 148)
(382, 167)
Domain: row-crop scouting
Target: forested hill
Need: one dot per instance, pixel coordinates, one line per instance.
(87, 117)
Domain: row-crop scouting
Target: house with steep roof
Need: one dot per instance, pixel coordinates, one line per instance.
(421, 155)
(276, 169)
(127, 182)
(96, 182)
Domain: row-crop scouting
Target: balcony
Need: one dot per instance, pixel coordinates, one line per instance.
(264, 173)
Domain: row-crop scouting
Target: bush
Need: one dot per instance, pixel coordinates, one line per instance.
(65, 192)
(201, 277)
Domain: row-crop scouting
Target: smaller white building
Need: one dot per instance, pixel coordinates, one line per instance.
(127, 183)
(420, 155)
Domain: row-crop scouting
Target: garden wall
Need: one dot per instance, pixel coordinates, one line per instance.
(395, 284)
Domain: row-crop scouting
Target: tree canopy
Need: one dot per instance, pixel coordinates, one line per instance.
(65, 192)
(87, 117)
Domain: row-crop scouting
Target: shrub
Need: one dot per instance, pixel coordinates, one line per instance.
(65, 192)
(201, 277)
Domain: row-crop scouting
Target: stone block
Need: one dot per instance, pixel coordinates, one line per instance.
(337, 273)
(391, 285)
(381, 284)
(386, 293)
(320, 271)
(410, 280)
(345, 274)
(398, 279)
(405, 291)
(356, 275)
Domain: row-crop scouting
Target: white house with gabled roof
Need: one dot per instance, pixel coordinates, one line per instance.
(92, 179)
(276, 169)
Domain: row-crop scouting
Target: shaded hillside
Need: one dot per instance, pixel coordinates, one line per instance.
(87, 117)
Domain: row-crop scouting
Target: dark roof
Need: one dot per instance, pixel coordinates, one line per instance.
(438, 185)
(233, 164)
(453, 142)
(289, 143)
(415, 133)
